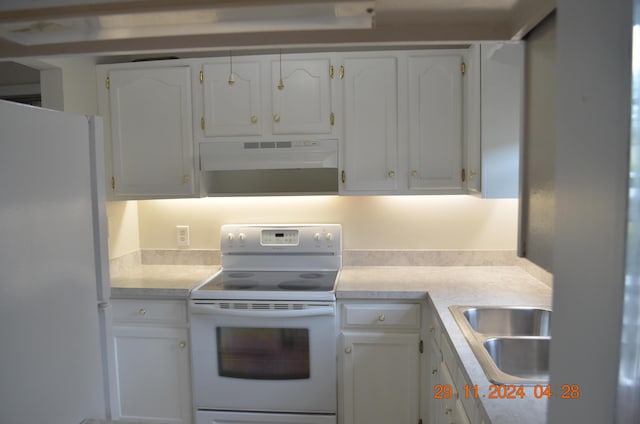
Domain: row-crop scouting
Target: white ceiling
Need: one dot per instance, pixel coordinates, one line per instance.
(396, 22)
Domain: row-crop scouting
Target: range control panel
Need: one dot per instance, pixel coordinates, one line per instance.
(279, 239)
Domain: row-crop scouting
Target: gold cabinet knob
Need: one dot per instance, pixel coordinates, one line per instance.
(347, 349)
(448, 411)
(381, 317)
(472, 174)
(414, 174)
(183, 344)
(391, 174)
(434, 371)
(432, 329)
(186, 179)
(142, 311)
(254, 119)
(276, 118)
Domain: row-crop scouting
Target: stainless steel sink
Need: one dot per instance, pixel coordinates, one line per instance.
(523, 357)
(509, 321)
(511, 343)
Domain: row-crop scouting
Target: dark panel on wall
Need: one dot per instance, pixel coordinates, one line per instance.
(538, 194)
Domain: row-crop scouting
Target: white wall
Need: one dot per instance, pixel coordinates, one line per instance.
(592, 153)
(384, 222)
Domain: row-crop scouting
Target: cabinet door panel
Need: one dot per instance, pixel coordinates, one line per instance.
(380, 378)
(435, 122)
(151, 131)
(303, 105)
(152, 370)
(371, 123)
(232, 109)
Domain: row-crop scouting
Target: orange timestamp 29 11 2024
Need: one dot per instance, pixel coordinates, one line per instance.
(508, 391)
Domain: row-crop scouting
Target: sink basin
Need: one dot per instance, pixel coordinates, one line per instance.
(523, 357)
(511, 343)
(509, 321)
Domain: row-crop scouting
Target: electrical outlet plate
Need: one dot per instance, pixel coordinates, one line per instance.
(182, 235)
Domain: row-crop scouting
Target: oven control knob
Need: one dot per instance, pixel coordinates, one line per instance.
(316, 236)
(230, 236)
(329, 236)
(242, 237)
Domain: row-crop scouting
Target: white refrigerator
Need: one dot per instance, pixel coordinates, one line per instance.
(54, 277)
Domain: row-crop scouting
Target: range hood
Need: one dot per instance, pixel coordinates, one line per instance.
(269, 167)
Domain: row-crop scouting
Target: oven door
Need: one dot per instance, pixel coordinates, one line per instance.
(264, 356)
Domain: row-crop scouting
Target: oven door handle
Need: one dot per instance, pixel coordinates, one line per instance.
(277, 313)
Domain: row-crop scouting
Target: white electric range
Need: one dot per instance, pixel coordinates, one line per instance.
(263, 329)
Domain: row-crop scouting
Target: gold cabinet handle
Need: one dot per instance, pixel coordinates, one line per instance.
(434, 371)
(448, 411)
(414, 174)
(432, 329)
(183, 344)
(472, 174)
(276, 118)
(142, 311)
(381, 317)
(392, 174)
(186, 179)
(254, 119)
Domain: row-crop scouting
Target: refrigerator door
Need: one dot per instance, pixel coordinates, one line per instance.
(51, 356)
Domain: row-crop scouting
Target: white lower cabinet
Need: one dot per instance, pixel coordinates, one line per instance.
(379, 359)
(152, 369)
(451, 395)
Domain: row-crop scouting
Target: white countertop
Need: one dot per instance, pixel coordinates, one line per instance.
(160, 281)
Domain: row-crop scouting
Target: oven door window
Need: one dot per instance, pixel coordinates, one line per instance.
(263, 353)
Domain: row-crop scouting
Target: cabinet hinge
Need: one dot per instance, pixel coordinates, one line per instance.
(202, 123)
(332, 119)
(343, 176)
(463, 175)
(201, 76)
(331, 71)
(107, 83)
(341, 71)
(463, 68)
(421, 346)
(113, 183)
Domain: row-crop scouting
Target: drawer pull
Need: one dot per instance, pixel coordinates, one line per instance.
(142, 311)
(381, 317)
(347, 349)
(434, 371)
(448, 411)
(432, 329)
(183, 345)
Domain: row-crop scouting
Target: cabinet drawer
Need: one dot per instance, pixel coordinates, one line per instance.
(432, 326)
(406, 316)
(447, 354)
(150, 311)
(467, 397)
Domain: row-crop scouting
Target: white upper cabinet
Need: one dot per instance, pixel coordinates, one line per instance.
(232, 98)
(302, 103)
(495, 121)
(435, 122)
(242, 97)
(403, 122)
(148, 111)
(370, 108)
